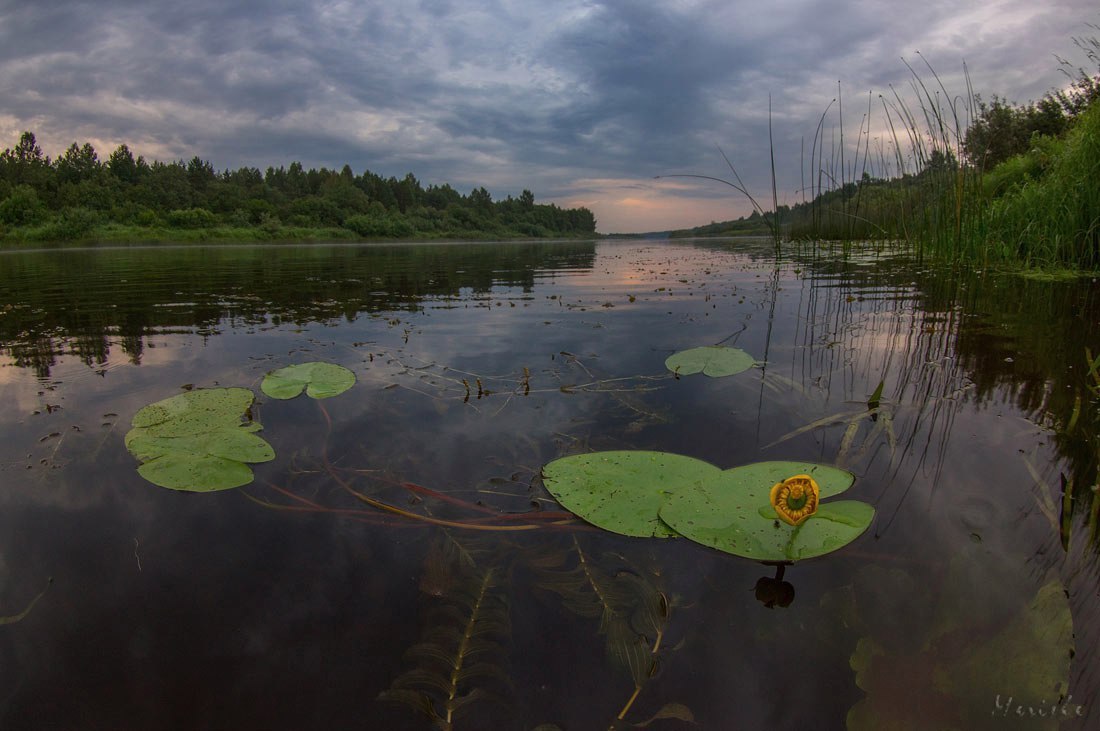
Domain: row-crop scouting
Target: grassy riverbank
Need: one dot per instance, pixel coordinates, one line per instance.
(123, 234)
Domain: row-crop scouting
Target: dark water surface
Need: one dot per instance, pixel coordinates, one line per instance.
(290, 604)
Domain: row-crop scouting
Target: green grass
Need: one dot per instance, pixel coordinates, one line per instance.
(1054, 220)
(52, 233)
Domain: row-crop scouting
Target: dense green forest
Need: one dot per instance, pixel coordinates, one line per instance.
(79, 197)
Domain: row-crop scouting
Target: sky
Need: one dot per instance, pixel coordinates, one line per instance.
(587, 104)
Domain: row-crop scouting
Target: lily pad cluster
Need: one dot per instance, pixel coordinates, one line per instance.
(204, 440)
(199, 441)
(662, 495)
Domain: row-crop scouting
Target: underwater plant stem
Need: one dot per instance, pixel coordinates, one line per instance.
(427, 518)
(638, 686)
(464, 644)
(12, 619)
(369, 517)
(626, 708)
(444, 497)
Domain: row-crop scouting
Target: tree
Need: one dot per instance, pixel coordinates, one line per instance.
(25, 163)
(996, 135)
(121, 164)
(407, 192)
(480, 199)
(78, 164)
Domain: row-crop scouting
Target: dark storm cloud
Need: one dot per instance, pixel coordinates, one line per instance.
(568, 99)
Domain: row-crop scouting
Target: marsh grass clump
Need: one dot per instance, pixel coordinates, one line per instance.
(1054, 218)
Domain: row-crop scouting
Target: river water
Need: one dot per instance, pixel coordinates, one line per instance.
(290, 603)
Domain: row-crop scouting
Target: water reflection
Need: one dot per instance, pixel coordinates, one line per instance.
(476, 366)
(128, 295)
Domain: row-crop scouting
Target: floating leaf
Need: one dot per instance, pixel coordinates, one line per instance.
(639, 493)
(194, 411)
(710, 360)
(622, 491)
(197, 441)
(319, 380)
(731, 512)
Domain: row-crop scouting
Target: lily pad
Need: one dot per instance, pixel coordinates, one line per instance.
(318, 380)
(197, 441)
(622, 491)
(731, 512)
(710, 360)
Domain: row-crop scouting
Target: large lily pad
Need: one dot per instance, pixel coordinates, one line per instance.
(318, 380)
(731, 512)
(622, 491)
(639, 493)
(710, 360)
(198, 441)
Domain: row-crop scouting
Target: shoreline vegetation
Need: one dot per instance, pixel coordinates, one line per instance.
(953, 177)
(79, 199)
(949, 176)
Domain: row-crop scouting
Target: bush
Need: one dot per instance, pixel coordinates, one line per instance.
(270, 224)
(23, 207)
(312, 211)
(1018, 170)
(148, 217)
(73, 223)
(380, 226)
(192, 218)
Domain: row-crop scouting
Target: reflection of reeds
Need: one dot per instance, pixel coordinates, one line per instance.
(880, 337)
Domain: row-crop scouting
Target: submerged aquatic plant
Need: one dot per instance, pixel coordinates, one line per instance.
(461, 661)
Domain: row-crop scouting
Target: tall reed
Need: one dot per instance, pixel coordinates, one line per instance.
(918, 187)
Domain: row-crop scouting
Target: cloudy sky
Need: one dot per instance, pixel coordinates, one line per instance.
(582, 102)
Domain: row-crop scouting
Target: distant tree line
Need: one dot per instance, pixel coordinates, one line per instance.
(78, 195)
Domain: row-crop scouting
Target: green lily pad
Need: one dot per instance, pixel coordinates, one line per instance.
(622, 491)
(194, 411)
(732, 512)
(319, 380)
(710, 360)
(197, 441)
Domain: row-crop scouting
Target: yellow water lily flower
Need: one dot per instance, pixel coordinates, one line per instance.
(795, 498)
